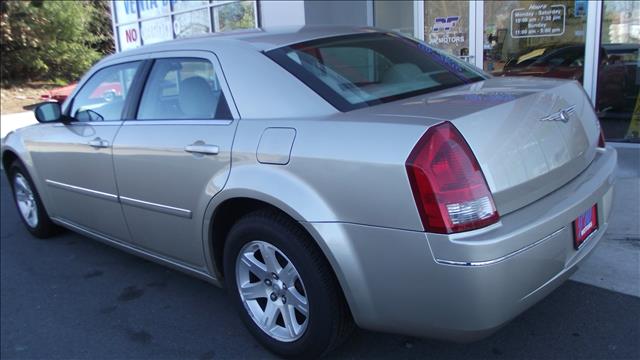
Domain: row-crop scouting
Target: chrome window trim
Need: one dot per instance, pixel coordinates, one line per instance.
(91, 123)
(505, 257)
(83, 191)
(177, 122)
(171, 210)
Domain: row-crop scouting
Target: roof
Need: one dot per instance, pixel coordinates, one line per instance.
(260, 39)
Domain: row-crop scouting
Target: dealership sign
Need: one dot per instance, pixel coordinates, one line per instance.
(445, 31)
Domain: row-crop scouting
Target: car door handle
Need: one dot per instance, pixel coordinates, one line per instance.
(201, 148)
(98, 143)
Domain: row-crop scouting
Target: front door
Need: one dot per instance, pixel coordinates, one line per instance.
(74, 159)
(175, 155)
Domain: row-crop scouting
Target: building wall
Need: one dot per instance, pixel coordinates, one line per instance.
(281, 13)
(324, 12)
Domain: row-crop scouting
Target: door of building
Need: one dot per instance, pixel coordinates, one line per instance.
(451, 26)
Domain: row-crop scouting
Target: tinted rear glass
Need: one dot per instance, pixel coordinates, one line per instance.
(355, 71)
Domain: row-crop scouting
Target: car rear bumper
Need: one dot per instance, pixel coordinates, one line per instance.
(463, 287)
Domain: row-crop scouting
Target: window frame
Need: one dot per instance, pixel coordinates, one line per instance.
(152, 64)
(82, 84)
(209, 56)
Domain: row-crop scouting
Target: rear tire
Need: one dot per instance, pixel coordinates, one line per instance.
(28, 203)
(328, 321)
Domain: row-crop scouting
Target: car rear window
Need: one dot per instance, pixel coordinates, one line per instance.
(355, 71)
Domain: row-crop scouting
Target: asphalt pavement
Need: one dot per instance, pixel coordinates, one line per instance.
(72, 297)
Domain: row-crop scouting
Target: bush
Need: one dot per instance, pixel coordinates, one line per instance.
(49, 40)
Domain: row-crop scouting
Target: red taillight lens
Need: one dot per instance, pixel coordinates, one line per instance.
(601, 142)
(448, 185)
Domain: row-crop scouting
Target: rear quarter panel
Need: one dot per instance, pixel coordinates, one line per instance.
(340, 170)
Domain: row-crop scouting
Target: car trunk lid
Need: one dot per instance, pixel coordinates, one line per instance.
(529, 135)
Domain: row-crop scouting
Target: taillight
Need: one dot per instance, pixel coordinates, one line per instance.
(601, 142)
(449, 188)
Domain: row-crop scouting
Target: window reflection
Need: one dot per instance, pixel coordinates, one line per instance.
(233, 16)
(535, 38)
(618, 94)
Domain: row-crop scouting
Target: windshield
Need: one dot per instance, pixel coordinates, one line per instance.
(355, 71)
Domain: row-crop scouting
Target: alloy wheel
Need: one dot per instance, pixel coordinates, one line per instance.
(25, 199)
(272, 291)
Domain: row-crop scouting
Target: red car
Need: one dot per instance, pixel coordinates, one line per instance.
(108, 91)
(617, 87)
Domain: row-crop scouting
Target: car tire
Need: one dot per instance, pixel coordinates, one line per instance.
(328, 321)
(29, 204)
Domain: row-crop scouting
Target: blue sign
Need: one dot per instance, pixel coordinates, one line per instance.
(445, 23)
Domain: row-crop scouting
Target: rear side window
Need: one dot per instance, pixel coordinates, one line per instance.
(102, 97)
(360, 70)
(183, 89)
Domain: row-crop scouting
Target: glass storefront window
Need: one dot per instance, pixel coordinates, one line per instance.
(618, 91)
(535, 38)
(236, 15)
(140, 22)
(543, 38)
(396, 15)
(193, 22)
(446, 26)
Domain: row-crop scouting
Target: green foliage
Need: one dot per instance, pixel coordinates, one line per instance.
(50, 40)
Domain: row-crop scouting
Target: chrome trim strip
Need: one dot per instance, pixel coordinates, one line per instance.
(156, 207)
(83, 191)
(176, 122)
(131, 249)
(502, 258)
(123, 199)
(90, 123)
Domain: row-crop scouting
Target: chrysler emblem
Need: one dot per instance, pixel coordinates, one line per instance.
(562, 115)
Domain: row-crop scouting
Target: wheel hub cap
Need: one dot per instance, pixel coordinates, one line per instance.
(25, 200)
(272, 291)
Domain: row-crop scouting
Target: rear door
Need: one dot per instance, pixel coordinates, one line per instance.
(175, 154)
(74, 159)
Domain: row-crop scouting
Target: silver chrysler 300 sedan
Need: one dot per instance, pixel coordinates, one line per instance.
(329, 177)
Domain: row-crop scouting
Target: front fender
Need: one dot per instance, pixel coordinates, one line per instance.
(14, 142)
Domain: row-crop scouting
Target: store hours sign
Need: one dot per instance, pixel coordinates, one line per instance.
(538, 20)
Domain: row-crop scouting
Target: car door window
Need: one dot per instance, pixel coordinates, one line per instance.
(102, 97)
(183, 88)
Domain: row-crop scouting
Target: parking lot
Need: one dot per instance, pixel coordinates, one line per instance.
(72, 297)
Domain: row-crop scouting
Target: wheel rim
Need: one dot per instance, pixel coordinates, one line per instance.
(25, 200)
(272, 291)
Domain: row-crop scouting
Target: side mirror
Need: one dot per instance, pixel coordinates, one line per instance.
(48, 112)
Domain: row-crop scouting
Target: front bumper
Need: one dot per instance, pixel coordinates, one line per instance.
(464, 286)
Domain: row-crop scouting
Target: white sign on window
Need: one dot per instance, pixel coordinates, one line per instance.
(156, 30)
(150, 8)
(192, 23)
(129, 36)
(126, 11)
(538, 20)
(181, 5)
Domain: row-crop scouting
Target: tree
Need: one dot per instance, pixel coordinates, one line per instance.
(51, 40)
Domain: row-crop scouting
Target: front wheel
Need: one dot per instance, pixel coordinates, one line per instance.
(283, 287)
(29, 205)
